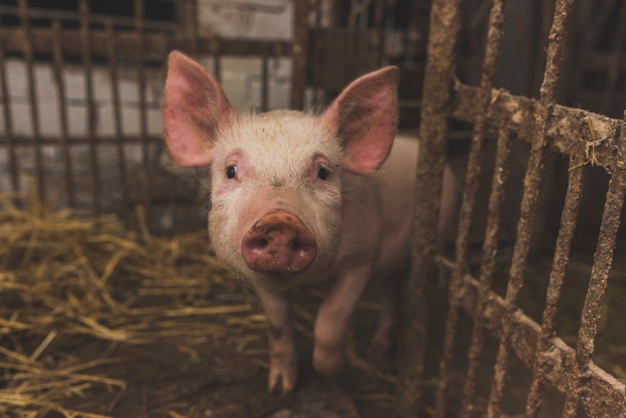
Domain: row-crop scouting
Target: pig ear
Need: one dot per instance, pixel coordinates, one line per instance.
(194, 106)
(365, 116)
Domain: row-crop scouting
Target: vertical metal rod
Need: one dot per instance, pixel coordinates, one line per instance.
(143, 117)
(298, 53)
(379, 25)
(569, 218)
(265, 81)
(8, 120)
(58, 65)
(407, 44)
(532, 180)
(438, 84)
(117, 119)
(217, 59)
(603, 259)
(490, 249)
(494, 36)
(85, 30)
(317, 35)
(217, 73)
(195, 35)
(32, 95)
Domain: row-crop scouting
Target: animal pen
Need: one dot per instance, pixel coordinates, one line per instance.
(116, 307)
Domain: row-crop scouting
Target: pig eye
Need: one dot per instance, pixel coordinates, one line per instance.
(323, 173)
(231, 171)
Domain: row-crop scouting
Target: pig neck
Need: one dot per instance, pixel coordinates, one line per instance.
(361, 213)
(377, 211)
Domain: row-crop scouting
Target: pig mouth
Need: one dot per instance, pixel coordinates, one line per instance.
(279, 245)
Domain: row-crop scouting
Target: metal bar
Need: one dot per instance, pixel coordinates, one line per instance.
(32, 96)
(603, 259)
(490, 249)
(217, 73)
(494, 36)
(24, 140)
(143, 119)
(569, 218)
(532, 179)
(315, 46)
(128, 42)
(606, 396)
(264, 82)
(519, 112)
(8, 119)
(195, 30)
(185, 16)
(379, 26)
(83, 6)
(117, 119)
(217, 60)
(37, 13)
(439, 76)
(516, 110)
(299, 47)
(60, 82)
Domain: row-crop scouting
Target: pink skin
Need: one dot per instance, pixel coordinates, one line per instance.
(279, 244)
(298, 198)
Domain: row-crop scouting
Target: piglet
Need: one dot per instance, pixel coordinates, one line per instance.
(300, 198)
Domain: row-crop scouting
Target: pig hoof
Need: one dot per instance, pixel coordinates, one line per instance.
(281, 383)
(282, 378)
(328, 362)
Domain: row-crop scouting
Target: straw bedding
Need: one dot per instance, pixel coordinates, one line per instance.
(83, 302)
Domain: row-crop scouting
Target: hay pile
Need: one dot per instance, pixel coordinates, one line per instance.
(66, 281)
(63, 278)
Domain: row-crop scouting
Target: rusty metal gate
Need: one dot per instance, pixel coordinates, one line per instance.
(117, 168)
(138, 43)
(589, 139)
(133, 45)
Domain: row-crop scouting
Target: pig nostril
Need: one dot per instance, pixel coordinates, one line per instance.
(279, 244)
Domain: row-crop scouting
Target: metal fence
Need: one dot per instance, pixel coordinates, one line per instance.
(138, 45)
(589, 139)
(119, 44)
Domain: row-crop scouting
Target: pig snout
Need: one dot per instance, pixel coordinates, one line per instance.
(280, 244)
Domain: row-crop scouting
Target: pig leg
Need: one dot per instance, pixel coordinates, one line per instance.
(333, 318)
(386, 328)
(281, 338)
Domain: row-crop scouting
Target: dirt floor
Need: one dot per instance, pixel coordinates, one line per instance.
(96, 320)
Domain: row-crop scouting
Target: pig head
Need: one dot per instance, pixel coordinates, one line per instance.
(276, 186)
(295, 199)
